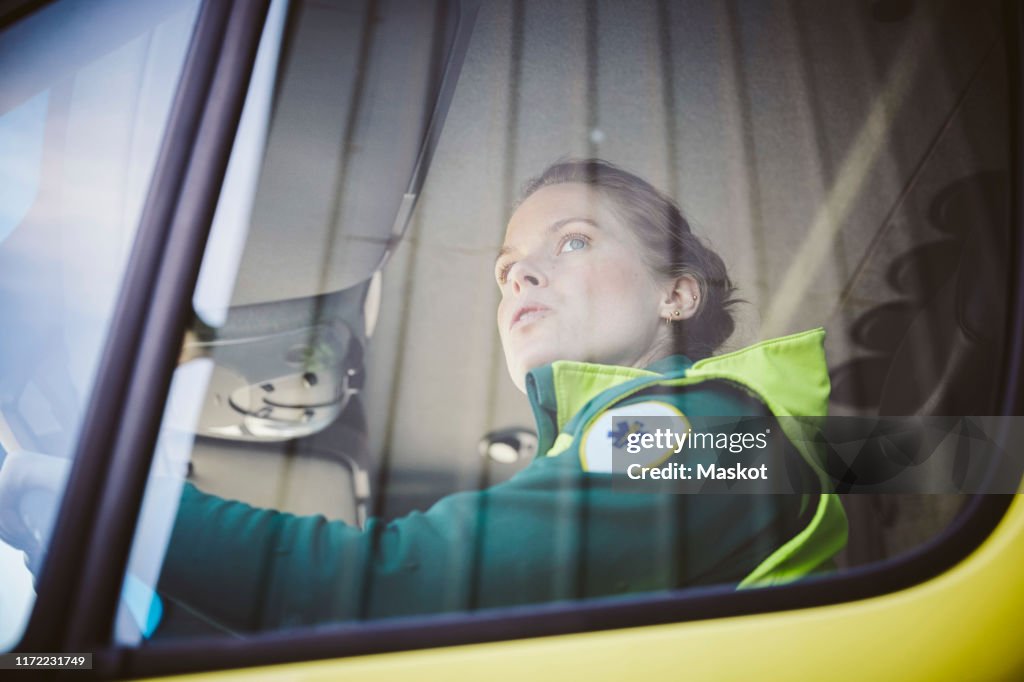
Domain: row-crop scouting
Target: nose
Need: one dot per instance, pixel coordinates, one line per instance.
(525, 274)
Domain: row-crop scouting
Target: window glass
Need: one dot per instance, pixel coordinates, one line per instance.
(362, 446)
(22, 133)
(86, 90)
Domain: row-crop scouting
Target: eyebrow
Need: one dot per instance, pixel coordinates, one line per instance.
(553, 227)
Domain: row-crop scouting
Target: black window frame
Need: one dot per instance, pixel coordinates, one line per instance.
(79, 585)
(97, 519)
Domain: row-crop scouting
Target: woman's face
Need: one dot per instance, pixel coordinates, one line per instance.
(574, 285)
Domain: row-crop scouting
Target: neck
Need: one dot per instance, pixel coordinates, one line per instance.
(662, 348)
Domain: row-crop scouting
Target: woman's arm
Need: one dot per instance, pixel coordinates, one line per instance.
(552, 532)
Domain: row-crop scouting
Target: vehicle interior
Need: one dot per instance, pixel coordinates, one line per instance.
(849, 163)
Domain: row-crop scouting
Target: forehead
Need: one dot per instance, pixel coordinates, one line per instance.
(553, 203)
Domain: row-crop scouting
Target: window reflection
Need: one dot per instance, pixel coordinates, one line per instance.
(86, 90)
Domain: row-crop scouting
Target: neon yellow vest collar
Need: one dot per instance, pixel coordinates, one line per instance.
(789, 374)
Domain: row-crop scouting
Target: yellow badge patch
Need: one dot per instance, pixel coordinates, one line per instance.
(609, 430)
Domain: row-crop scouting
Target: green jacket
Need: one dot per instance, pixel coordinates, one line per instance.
(555, 531)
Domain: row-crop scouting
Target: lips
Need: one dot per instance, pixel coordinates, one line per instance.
(528, 313)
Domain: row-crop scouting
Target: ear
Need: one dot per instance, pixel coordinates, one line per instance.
(681, 300)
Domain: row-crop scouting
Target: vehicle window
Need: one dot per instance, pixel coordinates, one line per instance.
(84, 97)
(21, 130)
(359, 443)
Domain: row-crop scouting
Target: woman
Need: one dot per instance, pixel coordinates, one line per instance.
(607, 300)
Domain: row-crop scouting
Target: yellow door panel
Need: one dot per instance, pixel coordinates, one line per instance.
(963, 625)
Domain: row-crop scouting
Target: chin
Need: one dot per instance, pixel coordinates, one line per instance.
(519, 365)
(538, 357)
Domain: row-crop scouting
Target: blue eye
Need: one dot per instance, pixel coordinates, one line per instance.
(573, 242)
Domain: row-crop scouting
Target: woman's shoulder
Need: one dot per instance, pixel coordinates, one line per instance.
(710, 397)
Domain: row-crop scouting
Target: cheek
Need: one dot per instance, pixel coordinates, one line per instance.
(499, 316)
(617, 288)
